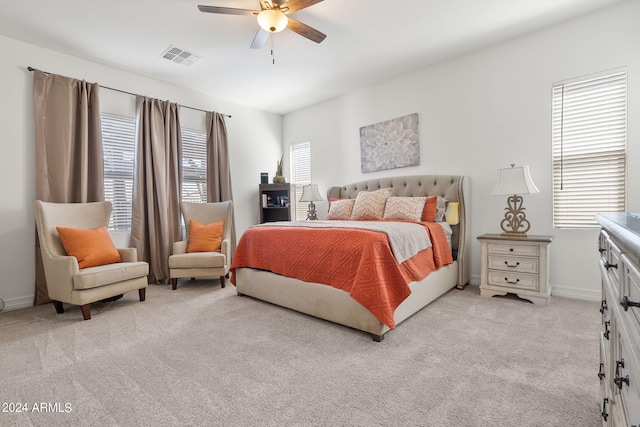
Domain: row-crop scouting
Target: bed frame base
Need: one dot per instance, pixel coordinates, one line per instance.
(335, 305)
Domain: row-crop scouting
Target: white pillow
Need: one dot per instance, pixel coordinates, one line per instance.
(341, 209)
(404, 208)
(370, 204)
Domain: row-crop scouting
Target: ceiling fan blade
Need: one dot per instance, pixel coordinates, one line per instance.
(305, 31)
(293, 5)
(227, 10)
(260, 39)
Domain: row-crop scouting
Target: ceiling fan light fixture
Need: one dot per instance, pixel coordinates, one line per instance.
(272, 20)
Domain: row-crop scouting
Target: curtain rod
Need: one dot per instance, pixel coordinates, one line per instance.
(30, 68)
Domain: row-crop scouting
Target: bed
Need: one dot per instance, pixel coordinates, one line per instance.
(337, 305)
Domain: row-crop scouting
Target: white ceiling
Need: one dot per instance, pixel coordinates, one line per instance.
(368, 41)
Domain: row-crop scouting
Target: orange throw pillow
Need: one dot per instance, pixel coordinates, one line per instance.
(430, 209)
(90, 247)
(205, 237)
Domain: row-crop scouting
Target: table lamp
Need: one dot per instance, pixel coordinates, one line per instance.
(311, 194)
(513, 182)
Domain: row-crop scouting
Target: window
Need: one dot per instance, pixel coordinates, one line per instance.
(118, 144)
(194, 166)
(300, 175)
(589, 148)
(118, 136)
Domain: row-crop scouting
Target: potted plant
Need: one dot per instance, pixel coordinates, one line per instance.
(279, 178)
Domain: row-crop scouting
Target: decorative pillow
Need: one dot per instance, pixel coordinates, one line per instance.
(434, 209)
(341, 209)
(90, 247)
(370, 204)
(205, 237)
(404, 208)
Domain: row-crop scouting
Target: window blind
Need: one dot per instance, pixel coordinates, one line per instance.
(194, 166)
(118, 136)
(300, 155)
(589, 148)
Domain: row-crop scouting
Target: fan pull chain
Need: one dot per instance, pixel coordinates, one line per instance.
(273, 48)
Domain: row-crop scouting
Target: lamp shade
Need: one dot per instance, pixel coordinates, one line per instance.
(310, 193)
(272, 20)
(451, 214)
(514, 180)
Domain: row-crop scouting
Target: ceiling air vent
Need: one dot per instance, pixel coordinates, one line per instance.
(181, 56)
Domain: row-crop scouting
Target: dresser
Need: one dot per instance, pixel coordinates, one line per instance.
(517, 265)
(619, 371)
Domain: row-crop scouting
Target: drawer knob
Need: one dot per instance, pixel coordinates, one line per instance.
(512, 265)
(600, 372)
(506, 279)
(606, 329)
(620, 380)
(510, 249)
(603, 306)
(626, 303)
(604, 409)
(602, 250)
(608, 265)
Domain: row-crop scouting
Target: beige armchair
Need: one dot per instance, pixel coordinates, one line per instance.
(203, 264)
(66, 282)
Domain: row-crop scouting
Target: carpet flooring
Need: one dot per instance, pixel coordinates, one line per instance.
(202, 355)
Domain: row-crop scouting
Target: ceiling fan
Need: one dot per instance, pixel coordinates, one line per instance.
(273, 18)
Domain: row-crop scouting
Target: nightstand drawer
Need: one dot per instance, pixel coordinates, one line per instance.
(512, 249)
(513, 280)
(520, 265)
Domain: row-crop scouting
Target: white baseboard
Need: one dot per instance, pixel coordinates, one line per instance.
(17, 303)
(560, 291)
(474, 279)
(576, 293)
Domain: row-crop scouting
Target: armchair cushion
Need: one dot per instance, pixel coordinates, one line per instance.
(94, 277)
(198, 260)
(205, 237)
(90, 247)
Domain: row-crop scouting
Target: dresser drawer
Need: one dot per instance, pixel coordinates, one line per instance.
(519, 265)
(513, 249)
(603, 238)
(626, 370)
(513, 280)
(631, 291)
(613, 265)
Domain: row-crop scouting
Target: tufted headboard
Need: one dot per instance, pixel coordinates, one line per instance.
(454, 188)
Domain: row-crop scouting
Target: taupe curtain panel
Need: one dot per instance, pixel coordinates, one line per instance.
(155, 221)
(218, 170)
(69, 165)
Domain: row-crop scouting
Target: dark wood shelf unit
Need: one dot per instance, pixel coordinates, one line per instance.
(274, 202)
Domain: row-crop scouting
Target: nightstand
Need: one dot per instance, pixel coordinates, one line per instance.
(517, 265)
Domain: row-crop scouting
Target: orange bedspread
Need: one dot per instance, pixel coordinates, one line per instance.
(357, 261)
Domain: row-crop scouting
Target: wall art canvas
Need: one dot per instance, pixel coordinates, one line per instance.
(390, 144)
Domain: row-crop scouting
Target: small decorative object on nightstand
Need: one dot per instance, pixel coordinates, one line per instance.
(518, 265)
(279, 177)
